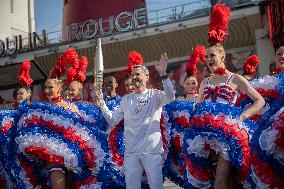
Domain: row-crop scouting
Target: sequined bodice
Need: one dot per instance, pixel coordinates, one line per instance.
(222, 93)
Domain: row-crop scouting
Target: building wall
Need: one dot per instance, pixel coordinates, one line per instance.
(17, 17)
(5, 28)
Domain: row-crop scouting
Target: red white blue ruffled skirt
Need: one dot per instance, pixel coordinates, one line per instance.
(267, 154)
(50, 133)
(215, 127)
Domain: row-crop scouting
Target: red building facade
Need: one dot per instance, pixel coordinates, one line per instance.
(75, 11)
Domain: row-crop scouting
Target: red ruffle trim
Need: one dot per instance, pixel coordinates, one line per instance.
(116, 157)
(229, 129)
(29, 171)
(266, 174)
(6, 127)
(70, 135)
(202, 174)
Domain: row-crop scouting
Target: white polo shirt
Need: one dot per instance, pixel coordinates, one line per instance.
(142, 114)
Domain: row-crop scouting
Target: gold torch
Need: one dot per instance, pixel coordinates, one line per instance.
(98, 68)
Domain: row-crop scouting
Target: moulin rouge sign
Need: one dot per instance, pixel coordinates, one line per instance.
(123, 22)
(19, 44)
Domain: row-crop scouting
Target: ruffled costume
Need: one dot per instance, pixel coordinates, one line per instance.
(51, 133)
(267, 143)
(215, 127)
(69, 140)
(7, 155)
(176, 113)
(20, 172)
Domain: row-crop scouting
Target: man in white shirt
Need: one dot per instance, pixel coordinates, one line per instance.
(141, 111)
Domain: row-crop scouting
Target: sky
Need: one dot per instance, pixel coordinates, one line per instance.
(48, 13)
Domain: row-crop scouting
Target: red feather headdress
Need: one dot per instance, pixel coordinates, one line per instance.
(250, 64)
(77, 74)
(198, 54)
(69, 57)
(24, 74)
(219, 23)
(83, 64)
(134, 59)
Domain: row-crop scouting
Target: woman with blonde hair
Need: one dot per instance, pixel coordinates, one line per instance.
(218, 131)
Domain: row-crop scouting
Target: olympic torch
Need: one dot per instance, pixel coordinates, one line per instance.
(98, 67)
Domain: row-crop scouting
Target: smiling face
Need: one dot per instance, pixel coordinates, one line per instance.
(215, 57)
(53, 88)
(190, 85)
(139, 77)
(279, 57)
(23, 94)
(110, 84)
(128, 86)
(75, 90)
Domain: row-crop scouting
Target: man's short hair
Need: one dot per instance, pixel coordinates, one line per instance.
(144, 68)
(112, 77)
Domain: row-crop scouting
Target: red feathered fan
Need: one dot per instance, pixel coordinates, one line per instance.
(250, 64)
(198, 54)
(219, 23)
(24, 74)
(134, 59)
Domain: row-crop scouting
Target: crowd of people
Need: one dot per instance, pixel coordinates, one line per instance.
(224, 132)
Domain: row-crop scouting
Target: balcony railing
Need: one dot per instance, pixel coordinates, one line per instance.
(197, 8)
(194, 9)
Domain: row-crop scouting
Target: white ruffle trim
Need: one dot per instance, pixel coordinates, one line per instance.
(6, 120)
(197, 146)
(278, 114)
(267, 143)
(82, 131)
(195, 182)
(269, 135)
(98, 185)
(180, 134)
(87, 117)
(266, 82)
(231, 121)
(257, 181)
(166, 134)
(52, 145)
(184, 114)
(246, 184)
